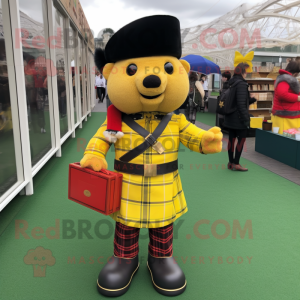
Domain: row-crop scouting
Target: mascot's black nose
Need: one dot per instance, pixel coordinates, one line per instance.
(152, 81)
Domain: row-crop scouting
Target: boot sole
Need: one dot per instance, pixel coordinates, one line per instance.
(165, 292)
(116, 292)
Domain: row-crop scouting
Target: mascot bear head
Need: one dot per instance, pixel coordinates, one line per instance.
(142, 67)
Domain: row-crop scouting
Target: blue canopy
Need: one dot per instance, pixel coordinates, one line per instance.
(202, 65)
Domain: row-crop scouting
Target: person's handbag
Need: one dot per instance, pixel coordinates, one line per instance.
(100, 191)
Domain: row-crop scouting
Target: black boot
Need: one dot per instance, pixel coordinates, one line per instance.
(167, 277)
(116, 276)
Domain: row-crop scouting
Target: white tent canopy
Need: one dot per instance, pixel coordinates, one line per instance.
(273, 23)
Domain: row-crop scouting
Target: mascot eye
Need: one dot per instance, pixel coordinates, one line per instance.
(131, 69)
(169, 68)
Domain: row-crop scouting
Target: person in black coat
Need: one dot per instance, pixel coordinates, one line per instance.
(225, 79)
(226, 76)
(238, 122)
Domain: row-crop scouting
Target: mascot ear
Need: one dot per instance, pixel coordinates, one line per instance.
(107, 70)
(186, 65)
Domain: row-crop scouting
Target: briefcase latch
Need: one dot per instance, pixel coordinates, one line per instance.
(87, 193)
(150, 170)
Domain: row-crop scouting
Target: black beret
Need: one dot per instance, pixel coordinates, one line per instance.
(150, 36)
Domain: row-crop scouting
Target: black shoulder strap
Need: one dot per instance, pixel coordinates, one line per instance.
(238, 81)
(134, 125)
(151, 138)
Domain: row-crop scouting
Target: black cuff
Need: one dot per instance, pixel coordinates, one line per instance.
(111, 131)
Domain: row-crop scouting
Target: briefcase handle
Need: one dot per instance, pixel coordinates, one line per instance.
(102, 170)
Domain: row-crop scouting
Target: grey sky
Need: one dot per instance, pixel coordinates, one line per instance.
(117, 13)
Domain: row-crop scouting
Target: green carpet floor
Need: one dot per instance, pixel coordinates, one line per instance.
(206, 118)
(224, 264)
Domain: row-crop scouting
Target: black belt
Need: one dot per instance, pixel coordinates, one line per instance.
(148, 170)
(286, 113)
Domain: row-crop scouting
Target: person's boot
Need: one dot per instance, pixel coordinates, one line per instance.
(167, 277)
(236, 167)
(116, 276)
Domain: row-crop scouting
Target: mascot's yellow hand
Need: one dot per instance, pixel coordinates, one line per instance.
(212, 141)
(93, 162)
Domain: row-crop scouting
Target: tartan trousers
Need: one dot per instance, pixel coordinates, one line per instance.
(126, 241)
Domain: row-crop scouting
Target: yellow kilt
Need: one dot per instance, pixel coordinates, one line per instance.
(151, 202)
(285, 123)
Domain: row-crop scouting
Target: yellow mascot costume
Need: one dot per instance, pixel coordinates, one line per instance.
(146, 82)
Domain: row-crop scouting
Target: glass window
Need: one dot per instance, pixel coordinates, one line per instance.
(8, 168)
(82, 77)
(61, 72)
(83, 55)
(287, 48)
(87, 78)
(33, 18)
(73, 71)
(92, 78)
(216, 82)
(274, 59)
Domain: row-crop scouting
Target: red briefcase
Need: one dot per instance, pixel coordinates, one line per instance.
(100, 191)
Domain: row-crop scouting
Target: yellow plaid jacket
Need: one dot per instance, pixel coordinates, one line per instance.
(150, 202)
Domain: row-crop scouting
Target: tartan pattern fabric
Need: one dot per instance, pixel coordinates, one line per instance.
(150, 202)
(126, 241)
(161, 241)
